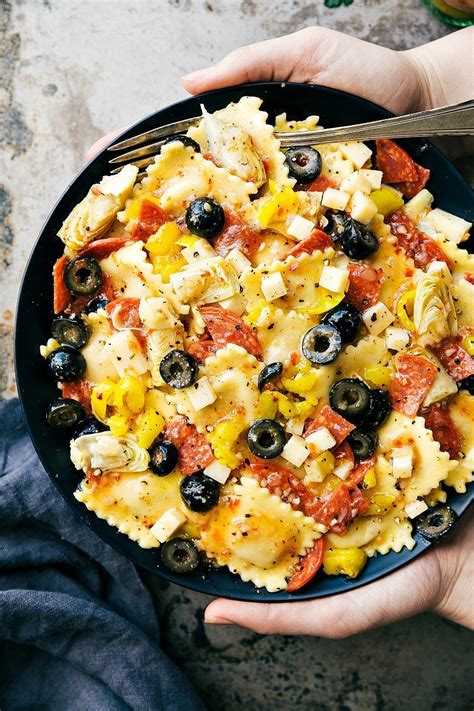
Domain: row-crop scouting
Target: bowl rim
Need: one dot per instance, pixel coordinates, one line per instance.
(201, 583)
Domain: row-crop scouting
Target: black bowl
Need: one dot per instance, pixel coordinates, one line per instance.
(34, 315)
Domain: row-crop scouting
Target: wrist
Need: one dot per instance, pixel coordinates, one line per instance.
(456, 566)
(423, 73)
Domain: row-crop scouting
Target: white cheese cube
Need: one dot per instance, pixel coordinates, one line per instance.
(300, 228)
(273, 287)
(314, 473)
(438, 266)
(126, 353)
(335, 199)
(320, 440)
(238, 260)
(294, 426)
(201, 394)
(357, 152)
(362, 208)
(155, 313)
(344, 469)
(443, 386)
(397, 338)
(168, 524)
(402, 462)
(120, 185)
(217, 471)
(295, 451)
(236, 304)
(415, 508)
(356, 182)
(373, 176)
(201, 249)
(377, 318)
(334, 279)
(454, 228)
(418, 204)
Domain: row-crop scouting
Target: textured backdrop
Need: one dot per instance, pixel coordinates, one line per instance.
(69, 72)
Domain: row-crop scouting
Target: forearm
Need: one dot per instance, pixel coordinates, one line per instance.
(445, 69)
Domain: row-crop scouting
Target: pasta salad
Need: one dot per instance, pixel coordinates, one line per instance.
(265, 357)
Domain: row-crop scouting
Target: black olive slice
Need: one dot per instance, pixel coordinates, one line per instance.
(70, 330)
(350, 397)
(180, 555)
(436, 523)
(363, 443)
(269, 373)
(345, 318)
(163, 458)
(467, 384)
(321, 344)
(64, 413)
(66, 363)
(304, 163)
(378, 410)
(205, 217)
(199, 492)
(83, 276)
(89, 426)
(100, 302)
(356, 240)
(266, 438)
(178, 369)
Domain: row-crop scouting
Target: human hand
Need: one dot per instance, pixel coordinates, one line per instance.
(440, 581)
(434, 74)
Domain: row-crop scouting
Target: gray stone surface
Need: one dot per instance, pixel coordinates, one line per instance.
(72, 70)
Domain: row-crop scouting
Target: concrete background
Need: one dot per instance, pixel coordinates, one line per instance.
(69, 72)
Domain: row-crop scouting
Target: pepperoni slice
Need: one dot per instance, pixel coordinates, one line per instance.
(421, 248)
(409, 387)
(200, 350)
(194, 451)
(80, 390)
(123, 313)
(226, 327)
(454, 359)
(337, 425)
(307, 567)
(237, 234)
(395, 163)
(343, 452)
(410, 188)
(102, 248)
(318, 240)
(150, 219)
(283, 483)
(365, 285)
(61, 294)
(440, 422)
(357, 475)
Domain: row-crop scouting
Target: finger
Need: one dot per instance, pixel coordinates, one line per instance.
(99, 145)
(402, 594)
(272, 60)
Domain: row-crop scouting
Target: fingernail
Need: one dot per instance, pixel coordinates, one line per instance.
(195, 76)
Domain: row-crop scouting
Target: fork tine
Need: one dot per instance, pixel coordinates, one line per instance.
(139, 163)
(162, 132)
(129, 157)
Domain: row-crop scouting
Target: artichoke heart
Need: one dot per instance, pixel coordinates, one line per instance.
(206, 282)
(233, 149)
(106, 452)
(434, 314)
(92, 217)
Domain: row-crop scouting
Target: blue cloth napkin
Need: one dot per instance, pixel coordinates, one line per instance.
(77, 627)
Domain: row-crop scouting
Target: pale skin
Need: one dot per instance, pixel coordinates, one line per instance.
(435, 74)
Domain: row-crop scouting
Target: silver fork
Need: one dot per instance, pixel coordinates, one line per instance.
(453, 120)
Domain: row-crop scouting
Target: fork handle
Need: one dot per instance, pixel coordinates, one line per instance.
(453, 120)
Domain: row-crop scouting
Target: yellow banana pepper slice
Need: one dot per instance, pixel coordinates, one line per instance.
(344, 561)
(387, 200)
(378, 375)
(149, 425)
(103, 395)
(405, 309)
(118, 424)
(468, 344)
(129, 394)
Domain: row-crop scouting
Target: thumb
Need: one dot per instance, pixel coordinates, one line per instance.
(272, 60)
